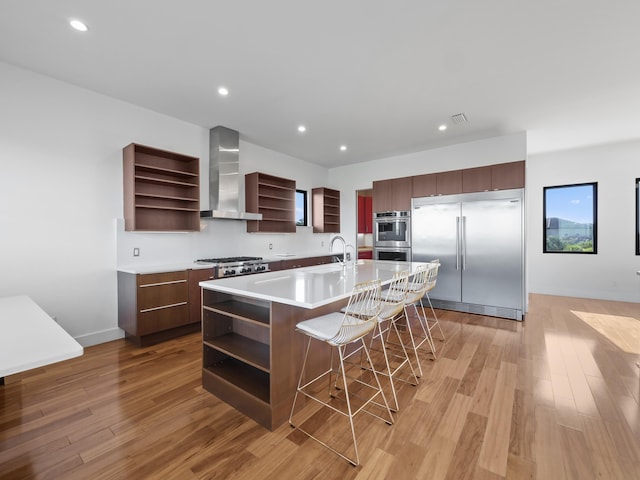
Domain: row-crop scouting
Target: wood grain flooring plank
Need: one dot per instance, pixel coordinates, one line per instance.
(467, 452)
(484, 391)
(547, 454)
(495, 447)
(521, 434)
(576, 457)
(519, 468)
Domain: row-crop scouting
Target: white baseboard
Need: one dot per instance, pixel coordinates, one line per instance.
(102, 336)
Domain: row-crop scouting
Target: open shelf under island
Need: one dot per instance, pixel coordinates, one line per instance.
(252, 354)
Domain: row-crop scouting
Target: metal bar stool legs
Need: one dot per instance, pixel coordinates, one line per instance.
(339, 330)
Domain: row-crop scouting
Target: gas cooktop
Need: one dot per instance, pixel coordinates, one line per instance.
(232, 266)
(223, 260)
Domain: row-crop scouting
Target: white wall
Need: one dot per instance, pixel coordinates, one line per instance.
(61, 190)
(611, 273)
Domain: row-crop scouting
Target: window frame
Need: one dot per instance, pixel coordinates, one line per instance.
(637, 216)
(305, 201)
(594, 206)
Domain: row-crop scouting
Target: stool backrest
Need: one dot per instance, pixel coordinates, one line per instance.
(432, 275)
(419, 281)
(361, 312)
(397, 291)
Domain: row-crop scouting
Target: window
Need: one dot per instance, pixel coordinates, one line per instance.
(637, 216)
(301, 208)
(570, 218)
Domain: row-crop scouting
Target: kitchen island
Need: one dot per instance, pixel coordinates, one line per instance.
(251, 353)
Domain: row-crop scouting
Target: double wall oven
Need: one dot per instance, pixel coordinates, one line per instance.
(392, 236)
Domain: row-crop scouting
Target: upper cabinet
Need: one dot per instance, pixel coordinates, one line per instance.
(161, 190)
(365, 214)
(424, 185)
(502, 176)
(476, 179)
(449, 183)
(275, 199)
(326, 210)
(392, 195)
(505, 176)
(441, 183)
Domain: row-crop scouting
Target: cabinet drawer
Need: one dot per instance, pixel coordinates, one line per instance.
(158, 290)
(163, 318)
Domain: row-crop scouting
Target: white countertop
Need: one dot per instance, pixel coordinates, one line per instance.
(29, 338)
(309, 287)
(171, 267)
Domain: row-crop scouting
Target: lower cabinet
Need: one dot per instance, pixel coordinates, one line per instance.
(155, 307)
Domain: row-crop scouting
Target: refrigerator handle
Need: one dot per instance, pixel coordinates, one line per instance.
(457, 243)
(463, 236)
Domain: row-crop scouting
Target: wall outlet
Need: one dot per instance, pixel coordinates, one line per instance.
(136, 252)
(271, 246)
(322, 243)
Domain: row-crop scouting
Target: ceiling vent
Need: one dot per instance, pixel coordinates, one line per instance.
(458, 119)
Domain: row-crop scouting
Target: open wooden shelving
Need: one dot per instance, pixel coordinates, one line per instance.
(161, 190)
(326, 210)
(275, 199)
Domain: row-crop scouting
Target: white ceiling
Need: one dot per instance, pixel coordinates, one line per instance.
(378, 76)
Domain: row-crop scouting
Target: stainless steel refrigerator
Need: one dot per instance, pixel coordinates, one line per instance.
(479, 239)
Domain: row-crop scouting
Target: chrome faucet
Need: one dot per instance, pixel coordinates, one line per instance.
(344, 249)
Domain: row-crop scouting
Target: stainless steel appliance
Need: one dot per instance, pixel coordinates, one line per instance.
(479, 240)
(396, 254)
(233, 266)
(392, 229)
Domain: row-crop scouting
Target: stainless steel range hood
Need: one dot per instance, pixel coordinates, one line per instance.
(224, 177)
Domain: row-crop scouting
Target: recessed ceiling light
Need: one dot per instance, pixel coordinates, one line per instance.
(343, 148)
(223, 91)
(442, 128)
(302, 128)
(78, 25)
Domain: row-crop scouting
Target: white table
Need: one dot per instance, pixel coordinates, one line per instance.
(29, 338)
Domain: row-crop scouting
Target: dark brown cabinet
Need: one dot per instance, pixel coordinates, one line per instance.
(161, 190)
(476, 179)
(449, 183)
(424, 185)
(326, 210)
(195, 302)
(502, 176)
(154, 307)
(273, 197)
(505, 176)
(392, 195)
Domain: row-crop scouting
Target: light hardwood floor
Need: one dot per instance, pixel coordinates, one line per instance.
(549, 398)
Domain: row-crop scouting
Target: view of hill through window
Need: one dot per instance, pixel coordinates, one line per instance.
(570, 218)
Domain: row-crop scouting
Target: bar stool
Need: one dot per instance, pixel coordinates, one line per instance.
(432, 277)
(416, 289)
(392, 307)
(340, 330)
